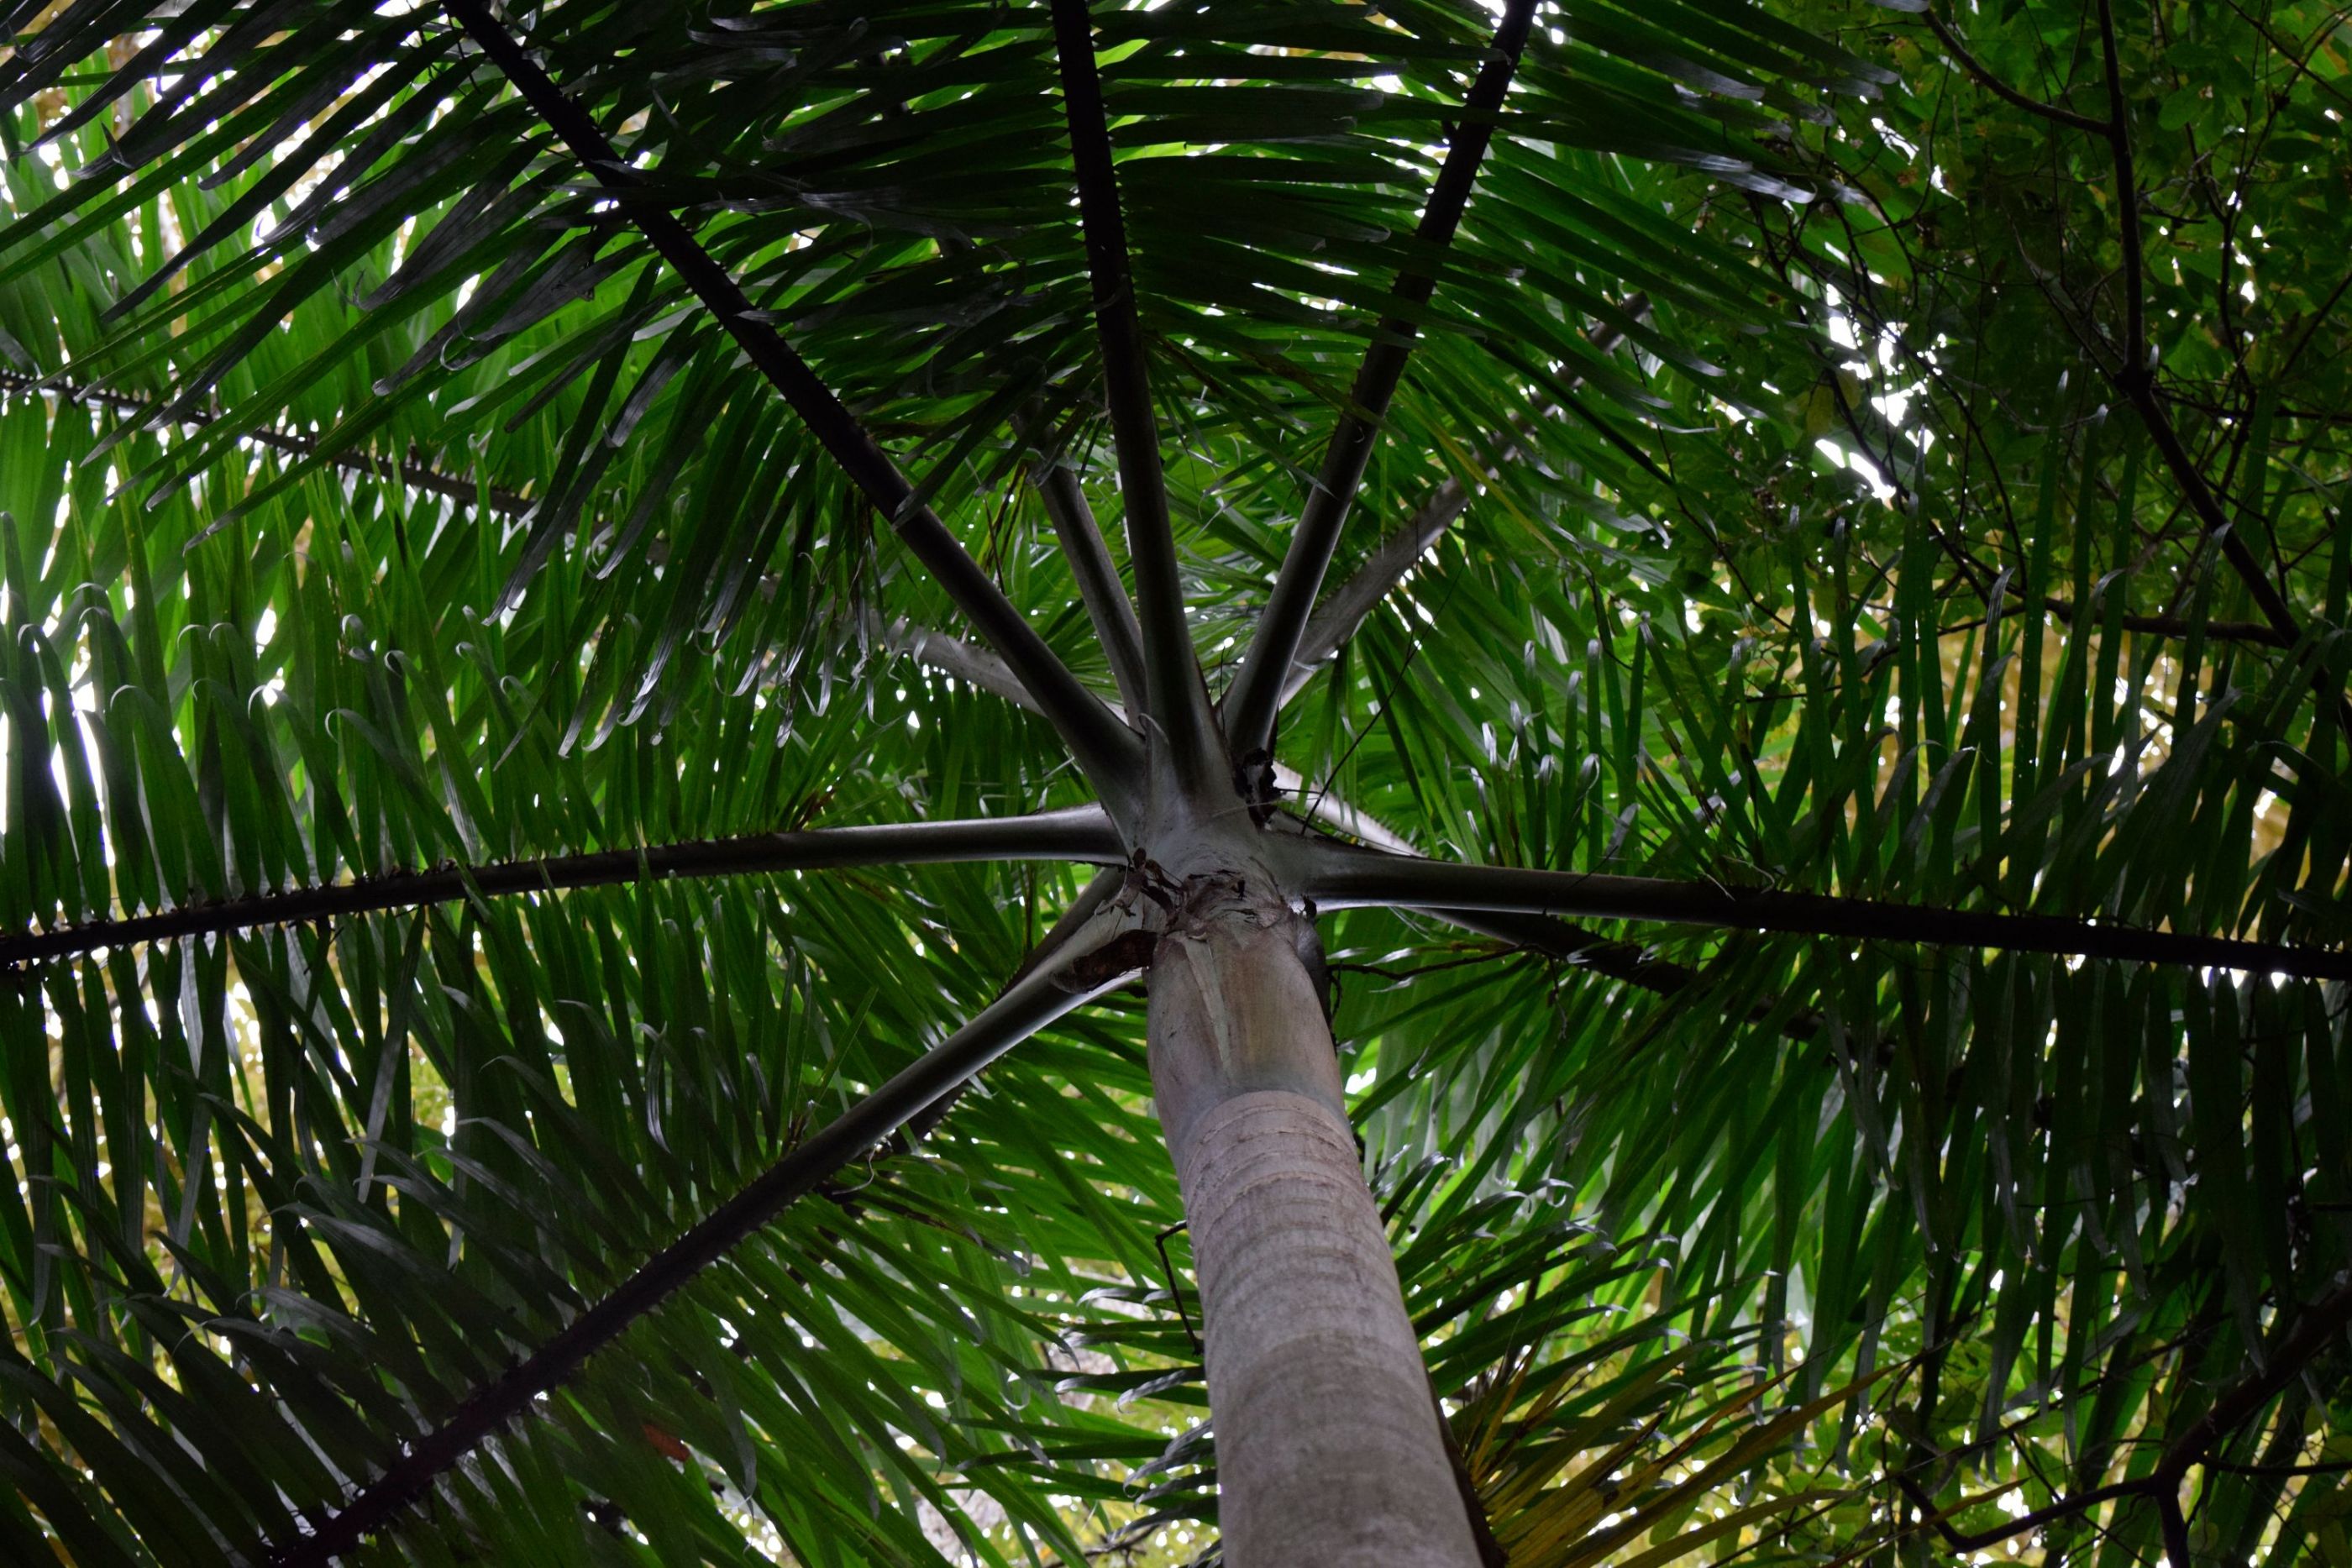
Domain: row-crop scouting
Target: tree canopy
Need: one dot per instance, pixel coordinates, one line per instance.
(558, 641)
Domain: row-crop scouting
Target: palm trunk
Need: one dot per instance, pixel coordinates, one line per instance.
(1328, 1450)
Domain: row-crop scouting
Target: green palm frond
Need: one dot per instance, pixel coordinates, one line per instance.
(487, 794)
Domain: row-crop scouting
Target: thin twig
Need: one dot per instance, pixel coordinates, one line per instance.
(2116, 128)
(1168, 1271)
(2315, 1327)
(2136, 377)
(1489, 955)
(411, 471)
(2257, 632)
(2002, 90)
(1979, 1541)
(2281, 1470)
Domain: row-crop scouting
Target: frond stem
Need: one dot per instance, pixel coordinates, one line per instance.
(1097, 575)
(1174, 698)
(1025, 1006)
(1337, 877)
(1110, 756)
(1255, 695)
(1081, 833)
(1339, 612)
(978, 667)
(1545, 934)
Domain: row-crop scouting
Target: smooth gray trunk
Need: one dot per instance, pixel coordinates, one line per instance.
(1328, 1446)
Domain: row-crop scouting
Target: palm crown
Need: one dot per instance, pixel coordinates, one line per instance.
(565, 694)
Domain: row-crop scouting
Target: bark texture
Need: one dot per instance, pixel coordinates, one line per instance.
(1328, 1450)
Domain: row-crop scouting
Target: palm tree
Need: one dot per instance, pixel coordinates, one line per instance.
(566, 697)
